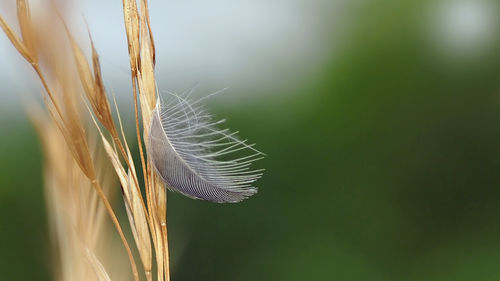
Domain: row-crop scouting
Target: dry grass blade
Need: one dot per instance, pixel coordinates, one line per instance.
(24, 18)
(142, 60)
(76, 218)
(131, 17)
(134, 207)
(96, 94)
(65, 115)
(145, 8)
(81, 200)
(18, 44)
(131, 20)
(93, 84)
(159, 207)
(97, 266)
(147, 81)
(75, 139)
(140, 218)
(140, 227)
(99, 101)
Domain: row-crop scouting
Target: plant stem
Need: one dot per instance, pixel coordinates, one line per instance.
(113, 217)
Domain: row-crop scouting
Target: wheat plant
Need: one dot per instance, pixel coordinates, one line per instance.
(180, 148)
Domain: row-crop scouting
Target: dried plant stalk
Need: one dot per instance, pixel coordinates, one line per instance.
(76, 219)
(142, 61)
(62, 102)
(77, 197)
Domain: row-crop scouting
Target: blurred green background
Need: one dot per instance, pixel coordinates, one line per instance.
(383, 163)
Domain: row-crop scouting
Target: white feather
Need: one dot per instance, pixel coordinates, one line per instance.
(189, 153)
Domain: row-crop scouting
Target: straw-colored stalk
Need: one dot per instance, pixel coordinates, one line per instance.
(142, 62)
(77, 196)
(77, 221)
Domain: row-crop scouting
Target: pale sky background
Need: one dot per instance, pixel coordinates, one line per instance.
(247, 44)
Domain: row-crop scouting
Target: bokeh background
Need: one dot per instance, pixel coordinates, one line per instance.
(380, 119)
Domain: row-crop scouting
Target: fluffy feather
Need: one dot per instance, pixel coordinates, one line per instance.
(189, 153)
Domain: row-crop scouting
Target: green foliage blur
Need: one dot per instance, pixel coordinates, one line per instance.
(385, 165)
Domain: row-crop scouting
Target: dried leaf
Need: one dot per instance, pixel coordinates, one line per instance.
(27, 32)
(99, 100)
(18, 44)
(133, 205)
(131, 17)
(97, 266)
